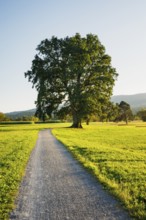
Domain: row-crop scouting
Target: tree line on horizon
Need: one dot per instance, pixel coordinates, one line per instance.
(111, 113)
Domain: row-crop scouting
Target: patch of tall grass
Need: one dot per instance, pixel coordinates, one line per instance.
(116, 155)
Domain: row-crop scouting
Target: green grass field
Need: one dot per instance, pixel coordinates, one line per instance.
(16, 144)
(116, 155)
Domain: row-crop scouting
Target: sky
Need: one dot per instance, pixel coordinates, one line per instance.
(119, 24)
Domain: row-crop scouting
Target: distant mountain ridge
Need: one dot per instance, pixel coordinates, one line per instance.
(136, 101)
(20, 114)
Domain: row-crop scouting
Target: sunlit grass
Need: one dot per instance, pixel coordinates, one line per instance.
(116, 155)
(16, 144)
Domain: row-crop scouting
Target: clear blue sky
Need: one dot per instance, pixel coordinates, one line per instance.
(119, 24)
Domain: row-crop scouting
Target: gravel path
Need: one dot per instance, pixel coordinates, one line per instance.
(56, 187)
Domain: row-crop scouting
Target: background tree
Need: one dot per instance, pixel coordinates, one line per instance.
(74, 71)
(125, 112)
(3, 117)
(109, 112)
(142, 114)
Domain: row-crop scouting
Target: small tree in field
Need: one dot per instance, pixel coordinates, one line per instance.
(142, 114)
(109, 111)
(75, 72)
(125, 112)
(3, 117)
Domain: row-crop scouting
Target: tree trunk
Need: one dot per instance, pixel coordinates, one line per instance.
(126, 121)
(87, 121)
(76, 121)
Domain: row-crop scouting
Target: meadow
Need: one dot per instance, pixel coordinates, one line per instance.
(115, 155)
(16, 144)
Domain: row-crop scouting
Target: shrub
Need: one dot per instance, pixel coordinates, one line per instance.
(16, 122)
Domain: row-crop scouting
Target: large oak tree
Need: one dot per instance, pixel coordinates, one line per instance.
(75, 72)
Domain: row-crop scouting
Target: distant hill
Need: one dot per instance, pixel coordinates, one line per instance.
(136, 101)
(19, 114)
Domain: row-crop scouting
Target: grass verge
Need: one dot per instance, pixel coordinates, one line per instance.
(16, 144)
(116, 155)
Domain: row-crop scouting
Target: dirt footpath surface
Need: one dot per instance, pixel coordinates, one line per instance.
(56, 187)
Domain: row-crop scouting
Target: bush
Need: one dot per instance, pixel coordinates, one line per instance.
(49, 121)
(16, 122)
(142, 114)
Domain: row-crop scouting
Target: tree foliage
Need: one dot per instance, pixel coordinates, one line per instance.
(3, 117)
(75, 72)
(109, 112)
(142, 114)
(125, 112)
